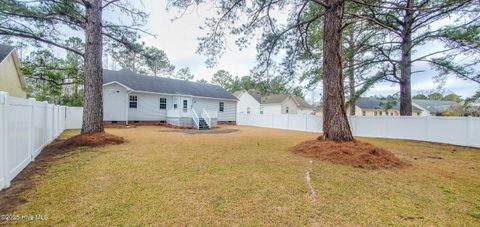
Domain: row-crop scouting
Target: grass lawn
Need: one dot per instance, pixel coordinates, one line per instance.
(249, 177)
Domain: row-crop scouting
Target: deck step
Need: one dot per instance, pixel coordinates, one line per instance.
(202, 124)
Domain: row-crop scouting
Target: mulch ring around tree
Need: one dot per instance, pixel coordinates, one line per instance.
(356, 153)
(12, 197)
(92, 140)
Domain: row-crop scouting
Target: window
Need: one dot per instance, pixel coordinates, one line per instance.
(364, 113)
(380, 113)
(375, 113)
(163, 103)
(175, 106)
(286, 110)
(386, 113)
(391, 113)
(418, 113)
(185, 105)
(261, 110)
(248, 110)
(221, 106)
(133, 101)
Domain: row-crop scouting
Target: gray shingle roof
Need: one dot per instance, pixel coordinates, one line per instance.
(279, 98)
(139, 82)
(374, 104)
(5, 51)
(434, 106)
(271, 99)
(255, 94)
(301, 102)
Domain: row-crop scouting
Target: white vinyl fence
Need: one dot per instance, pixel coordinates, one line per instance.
(26, 126)
(463, 131)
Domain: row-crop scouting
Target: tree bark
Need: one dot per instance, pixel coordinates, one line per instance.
(405, 62)
(93, 101)
(335, 122)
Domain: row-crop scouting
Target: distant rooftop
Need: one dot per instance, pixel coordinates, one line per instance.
(274, 98)
(434, 106)
(375, 104)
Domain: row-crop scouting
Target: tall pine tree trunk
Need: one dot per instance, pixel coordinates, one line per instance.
(93, 101)
(335, 122)
(351, 68)
(405, 62)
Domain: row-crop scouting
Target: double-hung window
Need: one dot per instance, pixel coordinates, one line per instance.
(133, 101)
(185, 105)
(221, 106)
(163, 103)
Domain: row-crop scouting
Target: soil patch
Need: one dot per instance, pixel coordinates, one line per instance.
(194, 131)
(92, 140)
(11, 197)
(357, 154)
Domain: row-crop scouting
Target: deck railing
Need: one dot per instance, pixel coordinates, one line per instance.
(195, 118)
(207, 117)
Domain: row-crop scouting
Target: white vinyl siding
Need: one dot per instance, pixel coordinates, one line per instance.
(229, 110)
(115, 101)
(246, 101)
(289, 106)
(148, 108)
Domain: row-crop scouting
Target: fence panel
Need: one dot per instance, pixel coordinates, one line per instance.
(452, 130)
(26, 126)
(73, 117)
(18, 135)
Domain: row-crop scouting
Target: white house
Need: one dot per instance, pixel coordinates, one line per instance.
(433, 107)
(131, 97)
(370, 106)
(11, 77)
(252, 102)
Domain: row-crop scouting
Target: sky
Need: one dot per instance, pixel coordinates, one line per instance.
(178, 38)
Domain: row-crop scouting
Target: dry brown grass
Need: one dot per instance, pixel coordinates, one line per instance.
(249, 177)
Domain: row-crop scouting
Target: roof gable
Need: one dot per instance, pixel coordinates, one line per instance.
(156, 84)
(434, 106)
(5, 51)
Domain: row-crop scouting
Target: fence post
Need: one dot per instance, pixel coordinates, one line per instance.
(469, 122)
(53, 123)
(45, 128)
(31, 102)
(4, 139)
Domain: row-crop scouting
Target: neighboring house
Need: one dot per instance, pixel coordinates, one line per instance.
(11, 77)
(248, 101)
(366, 106)
(433, 107)
(251, 102)
(128, 96)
